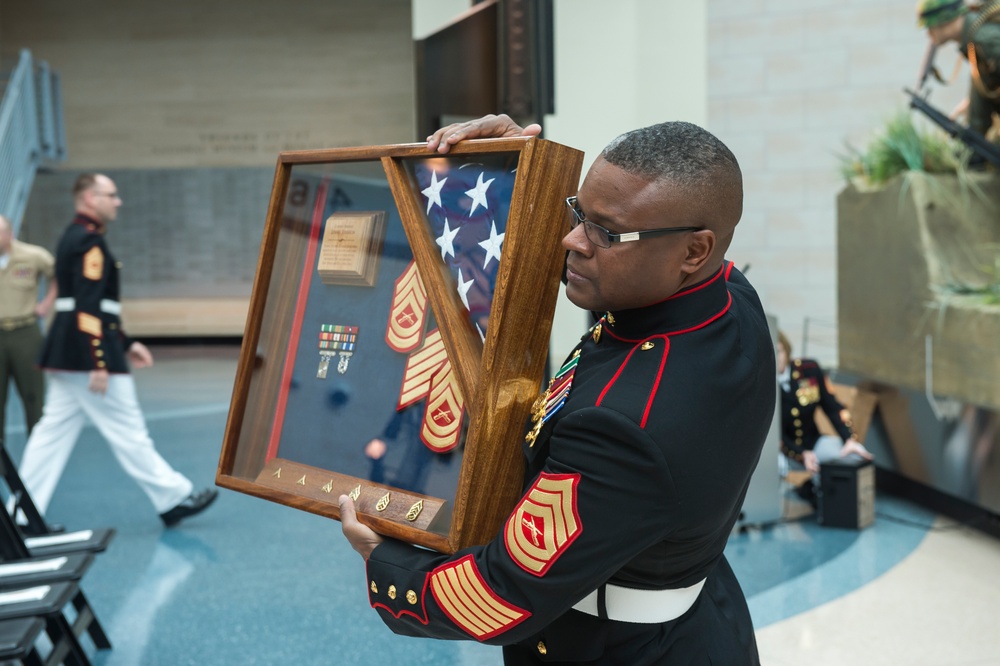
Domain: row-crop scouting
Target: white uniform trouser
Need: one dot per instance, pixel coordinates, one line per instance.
(116, 414)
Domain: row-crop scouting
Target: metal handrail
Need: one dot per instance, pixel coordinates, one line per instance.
(31, 132)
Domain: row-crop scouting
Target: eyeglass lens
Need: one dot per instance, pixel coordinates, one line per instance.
(595, 234)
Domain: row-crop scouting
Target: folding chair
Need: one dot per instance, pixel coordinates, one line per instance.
(14, 549)
(17, 640)
(93, 541)
(22, 500)
(45, 602)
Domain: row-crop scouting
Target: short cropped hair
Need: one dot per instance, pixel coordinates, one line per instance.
(684, 154)
(83, 182)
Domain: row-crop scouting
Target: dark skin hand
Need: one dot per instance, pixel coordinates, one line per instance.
(362, 538)
(487, 127)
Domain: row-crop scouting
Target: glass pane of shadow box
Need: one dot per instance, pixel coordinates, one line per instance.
(398, 333)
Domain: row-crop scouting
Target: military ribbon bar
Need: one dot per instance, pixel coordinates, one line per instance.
(553, 398)
(335, 339)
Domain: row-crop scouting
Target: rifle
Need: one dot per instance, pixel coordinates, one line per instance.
(927, 68)
(974, 140)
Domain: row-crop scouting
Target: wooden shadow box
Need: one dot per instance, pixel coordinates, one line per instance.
(398, 332)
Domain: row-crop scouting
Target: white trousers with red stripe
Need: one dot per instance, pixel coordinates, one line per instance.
(116, 414)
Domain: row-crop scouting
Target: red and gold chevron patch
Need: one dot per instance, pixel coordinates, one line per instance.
(93, 263)
(420, 368)
(429, 374)
(442, 425)
(468, 601)
(405, 328)
(544, 524)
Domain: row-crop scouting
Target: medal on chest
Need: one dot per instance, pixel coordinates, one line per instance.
(807, 392)
(553, 398)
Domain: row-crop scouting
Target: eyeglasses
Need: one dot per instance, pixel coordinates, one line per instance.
(602, 237)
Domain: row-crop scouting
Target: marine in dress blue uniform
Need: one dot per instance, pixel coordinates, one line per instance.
(614, 554)
(86, 332)
(85, 356)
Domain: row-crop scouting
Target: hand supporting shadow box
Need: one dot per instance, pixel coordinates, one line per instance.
(398, 333)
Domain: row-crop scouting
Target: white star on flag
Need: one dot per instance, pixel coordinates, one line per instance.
(463, 289)
(478, 194)
(445, 240)
(433, 191)
(492, 244)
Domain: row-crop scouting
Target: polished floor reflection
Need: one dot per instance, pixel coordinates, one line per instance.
(251, 582)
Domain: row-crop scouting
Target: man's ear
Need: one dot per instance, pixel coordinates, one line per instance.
(700, 247)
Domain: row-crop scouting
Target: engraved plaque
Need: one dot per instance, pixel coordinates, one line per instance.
(351, 247)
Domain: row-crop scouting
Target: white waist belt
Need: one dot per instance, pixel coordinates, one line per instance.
(625, 604)
(107, 305)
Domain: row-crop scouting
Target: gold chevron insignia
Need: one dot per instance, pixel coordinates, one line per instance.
(544, 524)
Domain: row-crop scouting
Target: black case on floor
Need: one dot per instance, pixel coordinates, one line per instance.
(846, 494)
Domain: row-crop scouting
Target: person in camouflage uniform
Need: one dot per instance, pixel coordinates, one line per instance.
(977, 32)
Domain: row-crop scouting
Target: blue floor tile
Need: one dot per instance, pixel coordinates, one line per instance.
(251, 582)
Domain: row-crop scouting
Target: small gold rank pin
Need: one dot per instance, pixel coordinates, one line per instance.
(415, 510)
(597, 333)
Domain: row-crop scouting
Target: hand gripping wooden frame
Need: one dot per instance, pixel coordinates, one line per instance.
(400, 287)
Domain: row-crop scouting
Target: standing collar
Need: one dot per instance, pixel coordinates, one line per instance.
(688, 309)
(90, 223)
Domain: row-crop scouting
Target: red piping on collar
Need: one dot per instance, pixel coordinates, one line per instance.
(729, 269)
(708, 321)
(697, 287)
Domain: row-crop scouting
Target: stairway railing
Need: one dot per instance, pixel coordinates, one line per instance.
(31, 132)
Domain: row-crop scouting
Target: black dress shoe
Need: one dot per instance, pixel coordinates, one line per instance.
(195, 503)
(32, 531)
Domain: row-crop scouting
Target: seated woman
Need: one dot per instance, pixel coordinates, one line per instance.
(803, 390)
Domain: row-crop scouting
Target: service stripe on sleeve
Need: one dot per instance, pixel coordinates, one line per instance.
(468, 601)
(544, 524)
(89, 324)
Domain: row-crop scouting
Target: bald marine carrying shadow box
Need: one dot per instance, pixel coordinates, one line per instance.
(398, 333)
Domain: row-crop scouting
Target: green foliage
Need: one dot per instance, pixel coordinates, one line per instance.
(902, 148)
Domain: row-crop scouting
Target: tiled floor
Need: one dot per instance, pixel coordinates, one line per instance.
(250, 582)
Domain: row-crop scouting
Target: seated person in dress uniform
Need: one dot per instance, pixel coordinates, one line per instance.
(804, 389)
